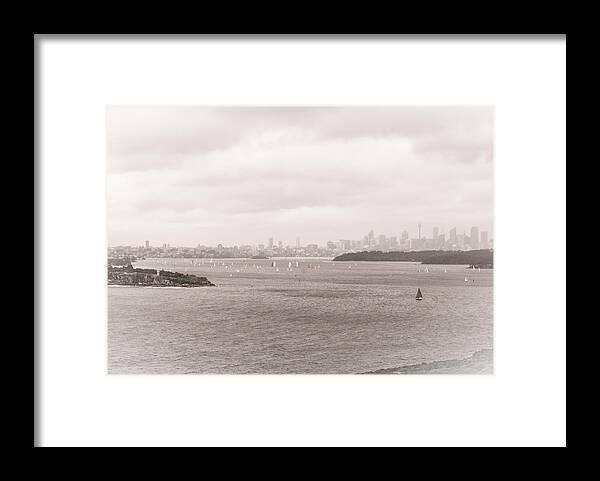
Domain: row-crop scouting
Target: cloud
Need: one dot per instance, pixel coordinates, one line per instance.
(234, 173)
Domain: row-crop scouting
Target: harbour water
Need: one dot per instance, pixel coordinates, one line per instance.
(322, 317)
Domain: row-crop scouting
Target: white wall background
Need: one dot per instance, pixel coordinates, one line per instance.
(523, 403)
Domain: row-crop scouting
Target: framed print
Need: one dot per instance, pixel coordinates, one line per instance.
(288, 241)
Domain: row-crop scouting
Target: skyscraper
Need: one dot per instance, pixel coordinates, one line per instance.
(436, 240)
(298, 242)
(371, 238)
(442, 240)
(453, 236)
(419, 231)
(474, 240)
(484, 240)
(147, 244)
(270, 242)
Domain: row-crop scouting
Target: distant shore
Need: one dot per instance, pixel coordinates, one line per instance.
(481, 362)
(134, 277)
(482, 258)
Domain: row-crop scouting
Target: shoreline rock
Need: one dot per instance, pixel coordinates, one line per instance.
(135, 277)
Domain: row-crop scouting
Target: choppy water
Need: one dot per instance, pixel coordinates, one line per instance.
(339, 318)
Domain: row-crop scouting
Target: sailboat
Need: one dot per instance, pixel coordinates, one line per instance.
(289, 265)
(466, 280)
(297, 264)
(445, 271)
(419, 295)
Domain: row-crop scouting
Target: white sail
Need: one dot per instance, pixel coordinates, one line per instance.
(297, 264)
(466, 280)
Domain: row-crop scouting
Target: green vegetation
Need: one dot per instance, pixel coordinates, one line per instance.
(483, 258)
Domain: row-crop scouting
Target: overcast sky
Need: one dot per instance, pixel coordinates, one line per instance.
(188, 175)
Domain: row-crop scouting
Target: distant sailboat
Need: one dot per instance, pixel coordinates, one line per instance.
(273, 264)
(445, 271)
(466, 280)
(419, 295)
(427, 270)
(297, 264)
(289, 265)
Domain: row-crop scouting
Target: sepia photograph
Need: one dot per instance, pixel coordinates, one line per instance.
(300, 239)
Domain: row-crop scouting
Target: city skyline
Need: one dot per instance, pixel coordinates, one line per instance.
(190, 175)
(296, 240)
(453, 239)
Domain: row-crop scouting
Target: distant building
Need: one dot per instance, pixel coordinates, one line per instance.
(270, 242)
(147, 244)
(280, 244)
(371, 238)
(417, 244)
(453, 238)
(474, 240)
(484, 240)
(298, 242)
(419, 231)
